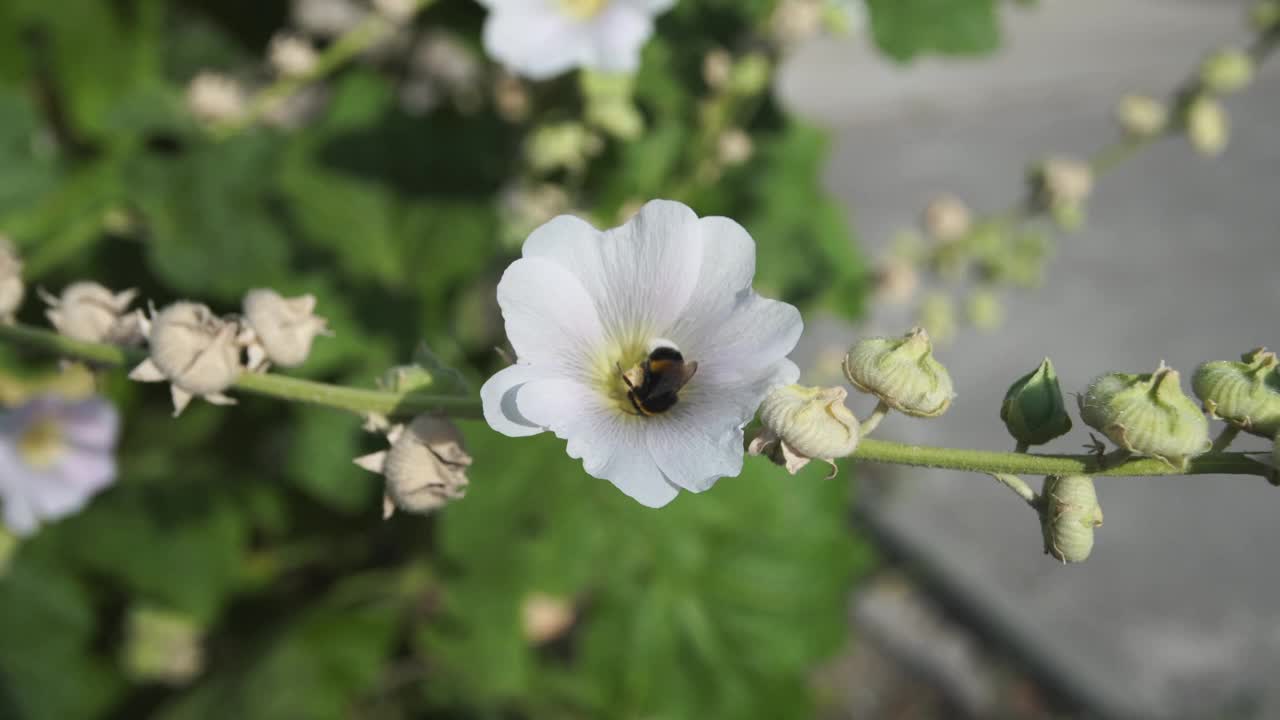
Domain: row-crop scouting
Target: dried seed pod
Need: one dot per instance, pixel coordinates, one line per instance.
(1069, 513)
(197, 352)
(425, 468)
(902, 373)
(804, 423)
(284, 328)
(90, 312)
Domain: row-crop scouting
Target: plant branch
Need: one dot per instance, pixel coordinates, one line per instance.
(359, 400)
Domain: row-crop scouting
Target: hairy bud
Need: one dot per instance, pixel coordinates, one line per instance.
(283, 328)
(902, 373)
(1033, 409)
(1069, 513)
(197, 352)
(1208, 126)
(804, 423)
(1227, 71)
(89, 312)
(1245, 394)
(1147, 415)
(1141, 116)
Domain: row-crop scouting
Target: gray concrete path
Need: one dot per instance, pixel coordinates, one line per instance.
(1177, 614)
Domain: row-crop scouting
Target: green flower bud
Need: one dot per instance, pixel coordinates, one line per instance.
(1227, 71)
(1245, 394)
(984, 310)
(1147, 415)
(802, 423)
(902, 373)
(1265, 15)
(1208, 126)
(1033, 408)
(937, 314)
(1069, 512)
(1141, 116)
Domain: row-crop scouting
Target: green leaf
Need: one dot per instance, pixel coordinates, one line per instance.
(906, 28)
(47, 669)
(215, 229)
(320, 460)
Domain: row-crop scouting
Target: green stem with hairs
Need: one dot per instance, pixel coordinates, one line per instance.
(359, 400)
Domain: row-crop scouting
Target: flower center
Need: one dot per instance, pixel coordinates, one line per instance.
(41, 443)
(582, 9)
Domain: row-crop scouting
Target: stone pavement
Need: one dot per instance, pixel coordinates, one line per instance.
(1177, 614)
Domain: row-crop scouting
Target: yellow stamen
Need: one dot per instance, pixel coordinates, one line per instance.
(41, 444)
(582, 9)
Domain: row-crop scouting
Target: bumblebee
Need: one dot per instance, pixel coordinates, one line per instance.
(653, 386)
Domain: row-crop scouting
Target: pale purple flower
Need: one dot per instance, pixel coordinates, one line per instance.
(583, 307)
(540, 39)
(55, 454)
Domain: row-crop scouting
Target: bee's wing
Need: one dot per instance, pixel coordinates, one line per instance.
(673, 379)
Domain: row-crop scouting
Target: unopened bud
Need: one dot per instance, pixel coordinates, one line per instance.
(716, 67)
(1265, 15)
(735, 147)
(1227, 71)
(12, 289)
(1245, 394)
(284, 328)
(511, 98)
(425, 468)
(805, 423)
(1033, 409)
(197, 352)
(1141, 116)
(215, 98)
(565, 145)
(1208, 126)
(162, 646)
(1064, 180)
(750, 75)
(937, 314)
(1147, 415)
(897, 281)
(902, 373)
(397, 11)
(947, 218)
(984, 310)
(1069, 513)
(796, 20)
(291, 55)
(89, 312)
(544, 618)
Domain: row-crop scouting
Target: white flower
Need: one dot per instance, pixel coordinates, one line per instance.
(583, 307)
(543, 38)
(214, 97)
(55, 454)
(292, 55)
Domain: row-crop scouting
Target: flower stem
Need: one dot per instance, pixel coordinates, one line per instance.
(1224, 438)
(359, 400)
(1018, 486)
(873, 420)
(1021, 447)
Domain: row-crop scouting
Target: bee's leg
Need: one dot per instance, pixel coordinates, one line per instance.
(624, 377)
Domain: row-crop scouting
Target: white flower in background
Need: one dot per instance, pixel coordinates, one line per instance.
(540, 39)
(327, 18)
(214, 97)
(55, 454)
(643, 346)
(292, 55)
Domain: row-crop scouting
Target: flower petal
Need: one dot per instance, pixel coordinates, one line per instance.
(755, 335)
(90, 425)
(640, 276)
(617, 36)
(693, 456)
(499, 397)
(19, 512)
(611, 446)
(550, 319)
(533, 39)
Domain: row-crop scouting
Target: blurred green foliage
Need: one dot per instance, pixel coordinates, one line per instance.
(252, 523)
